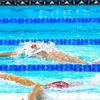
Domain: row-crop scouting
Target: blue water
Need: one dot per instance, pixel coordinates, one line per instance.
(50, 11)
(42, 77)
(87, 53)
(53, 30)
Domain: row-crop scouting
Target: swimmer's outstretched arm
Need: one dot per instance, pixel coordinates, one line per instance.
(36, 90)
(76, 60)
(7, 54)
(17, 79)
(63, 58)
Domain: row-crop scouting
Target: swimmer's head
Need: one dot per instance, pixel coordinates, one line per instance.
(33, 46)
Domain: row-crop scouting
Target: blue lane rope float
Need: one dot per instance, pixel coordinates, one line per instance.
(48, 20)
(56, 41)
(48, 2)
(50, 67)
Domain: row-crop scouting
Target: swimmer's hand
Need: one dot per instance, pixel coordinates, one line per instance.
(95, 62)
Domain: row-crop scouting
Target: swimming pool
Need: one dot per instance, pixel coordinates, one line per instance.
(62, 29)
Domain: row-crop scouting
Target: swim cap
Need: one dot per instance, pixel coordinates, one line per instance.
(33, 46)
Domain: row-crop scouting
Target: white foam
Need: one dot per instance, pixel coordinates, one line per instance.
(56, 96)
(47, 46)
(96, 79)
(25, 48)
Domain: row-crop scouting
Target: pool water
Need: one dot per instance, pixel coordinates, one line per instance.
(90, 83)
(87, 53)
(50, 30)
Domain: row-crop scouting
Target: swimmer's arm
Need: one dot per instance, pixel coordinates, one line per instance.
(7, 54)
(34, 92)
(41, 53)
(75, 60)
(17, 79)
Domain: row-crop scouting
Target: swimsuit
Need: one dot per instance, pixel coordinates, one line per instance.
(58, 84)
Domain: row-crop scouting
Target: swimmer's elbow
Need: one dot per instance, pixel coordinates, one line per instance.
(34, 92)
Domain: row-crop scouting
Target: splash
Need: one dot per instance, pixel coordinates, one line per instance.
(25, 48)
(96, 79)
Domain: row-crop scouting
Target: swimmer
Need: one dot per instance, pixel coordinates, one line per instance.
(95, 62)
(35, 50)
(37, 89)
